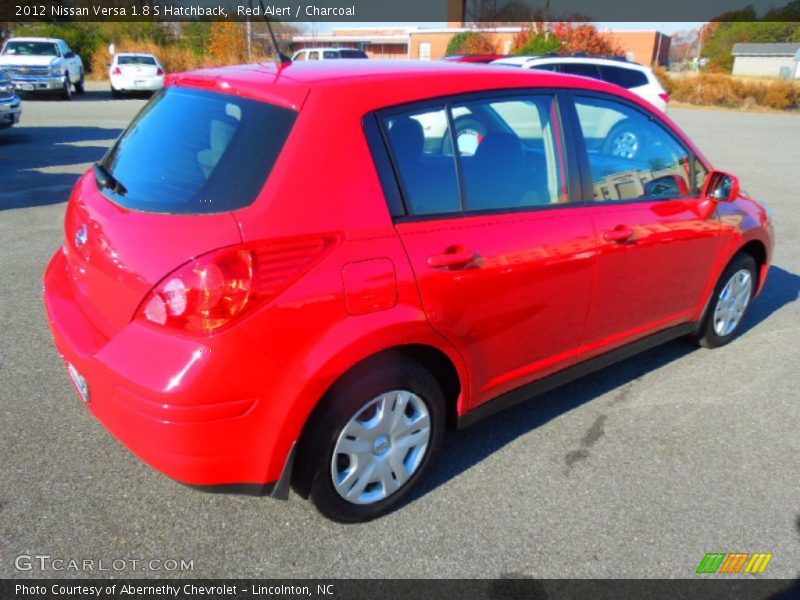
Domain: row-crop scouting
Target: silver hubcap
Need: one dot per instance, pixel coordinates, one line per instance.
(381, 447)
(625, 145)
(732, 302)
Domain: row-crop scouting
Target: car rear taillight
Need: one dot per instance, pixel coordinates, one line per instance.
(159, 71)
(117, 71)
(210, 291)
(664, 97)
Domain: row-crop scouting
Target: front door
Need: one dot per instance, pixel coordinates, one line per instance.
(655, 246)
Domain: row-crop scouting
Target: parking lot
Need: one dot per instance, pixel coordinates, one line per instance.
(636, 471)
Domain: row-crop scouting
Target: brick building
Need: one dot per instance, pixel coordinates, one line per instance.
(421, 43)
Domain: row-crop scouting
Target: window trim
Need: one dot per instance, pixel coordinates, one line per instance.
(445, 103)
(390, 184)
(583, 154)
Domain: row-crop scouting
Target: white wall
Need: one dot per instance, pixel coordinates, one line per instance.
(763, 66)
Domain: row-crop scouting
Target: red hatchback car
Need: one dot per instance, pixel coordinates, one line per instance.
(303, 275)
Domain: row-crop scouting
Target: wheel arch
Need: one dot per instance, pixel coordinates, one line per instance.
(434, 359)
(758, 250)
(754, 248)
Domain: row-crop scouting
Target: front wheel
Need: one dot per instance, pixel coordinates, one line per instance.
(373, 441)
(80, 85)
(66, 92)
(729, 304)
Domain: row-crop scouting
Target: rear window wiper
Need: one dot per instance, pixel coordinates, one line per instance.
(106, 180)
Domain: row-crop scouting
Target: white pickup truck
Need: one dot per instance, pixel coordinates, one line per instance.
(42, 65)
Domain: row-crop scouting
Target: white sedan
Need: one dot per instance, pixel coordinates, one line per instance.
(131, 72)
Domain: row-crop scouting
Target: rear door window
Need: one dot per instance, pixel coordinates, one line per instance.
(515, 160)
(509, 155)
(191, 151)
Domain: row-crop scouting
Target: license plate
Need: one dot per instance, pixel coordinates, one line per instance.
(139, 82)
(25, 86)
(80, 383)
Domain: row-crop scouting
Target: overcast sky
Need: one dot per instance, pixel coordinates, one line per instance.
(668, 28)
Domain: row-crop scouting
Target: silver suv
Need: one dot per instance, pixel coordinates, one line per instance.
(632, 76)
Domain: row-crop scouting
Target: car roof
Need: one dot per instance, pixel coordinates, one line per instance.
(135, 54)
(321, 49)
(593, 60)
(371, 85)
(35, 39)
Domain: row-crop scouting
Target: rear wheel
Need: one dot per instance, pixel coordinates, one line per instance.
(373, 440)
(729, 304)
(115, 93)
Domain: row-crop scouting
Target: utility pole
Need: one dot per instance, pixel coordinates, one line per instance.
(699, 45)
(249, 41)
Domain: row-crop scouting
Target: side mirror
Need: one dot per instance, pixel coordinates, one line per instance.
(69, 55)
(721, 187)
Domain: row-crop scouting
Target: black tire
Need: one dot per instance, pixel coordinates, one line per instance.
(80, 85)
(115, 93)
(346, 400)
(612, 143)
(712, 333)
(66, 92)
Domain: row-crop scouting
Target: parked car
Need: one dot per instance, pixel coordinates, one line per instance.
(135, 72)
(632, 76)
(328, 53)
(474, 58)
(42, 65)
(241, 321)
(10, 104)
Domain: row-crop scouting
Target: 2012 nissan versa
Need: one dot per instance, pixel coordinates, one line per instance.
(302, 274)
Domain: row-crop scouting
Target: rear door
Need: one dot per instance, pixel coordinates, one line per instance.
(656, 247)
(503, 258)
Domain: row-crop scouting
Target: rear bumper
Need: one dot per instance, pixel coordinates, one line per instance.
(190, 407)
(123, 84)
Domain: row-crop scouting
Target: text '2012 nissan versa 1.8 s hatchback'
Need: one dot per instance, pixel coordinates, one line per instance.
(303, 275)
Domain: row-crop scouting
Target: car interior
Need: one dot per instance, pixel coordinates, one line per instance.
(507, 153)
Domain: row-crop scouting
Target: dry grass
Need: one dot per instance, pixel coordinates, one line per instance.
(709, 89)
(174, 58)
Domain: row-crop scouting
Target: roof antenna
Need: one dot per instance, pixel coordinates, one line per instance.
(280, 58)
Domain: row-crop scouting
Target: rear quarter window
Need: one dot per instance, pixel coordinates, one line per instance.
(353, 54)
(627, 78)
(191, 151)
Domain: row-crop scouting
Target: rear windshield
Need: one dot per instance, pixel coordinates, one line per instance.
(136, 60)
(192, 151)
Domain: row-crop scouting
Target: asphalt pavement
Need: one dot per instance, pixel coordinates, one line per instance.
(635, 471)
